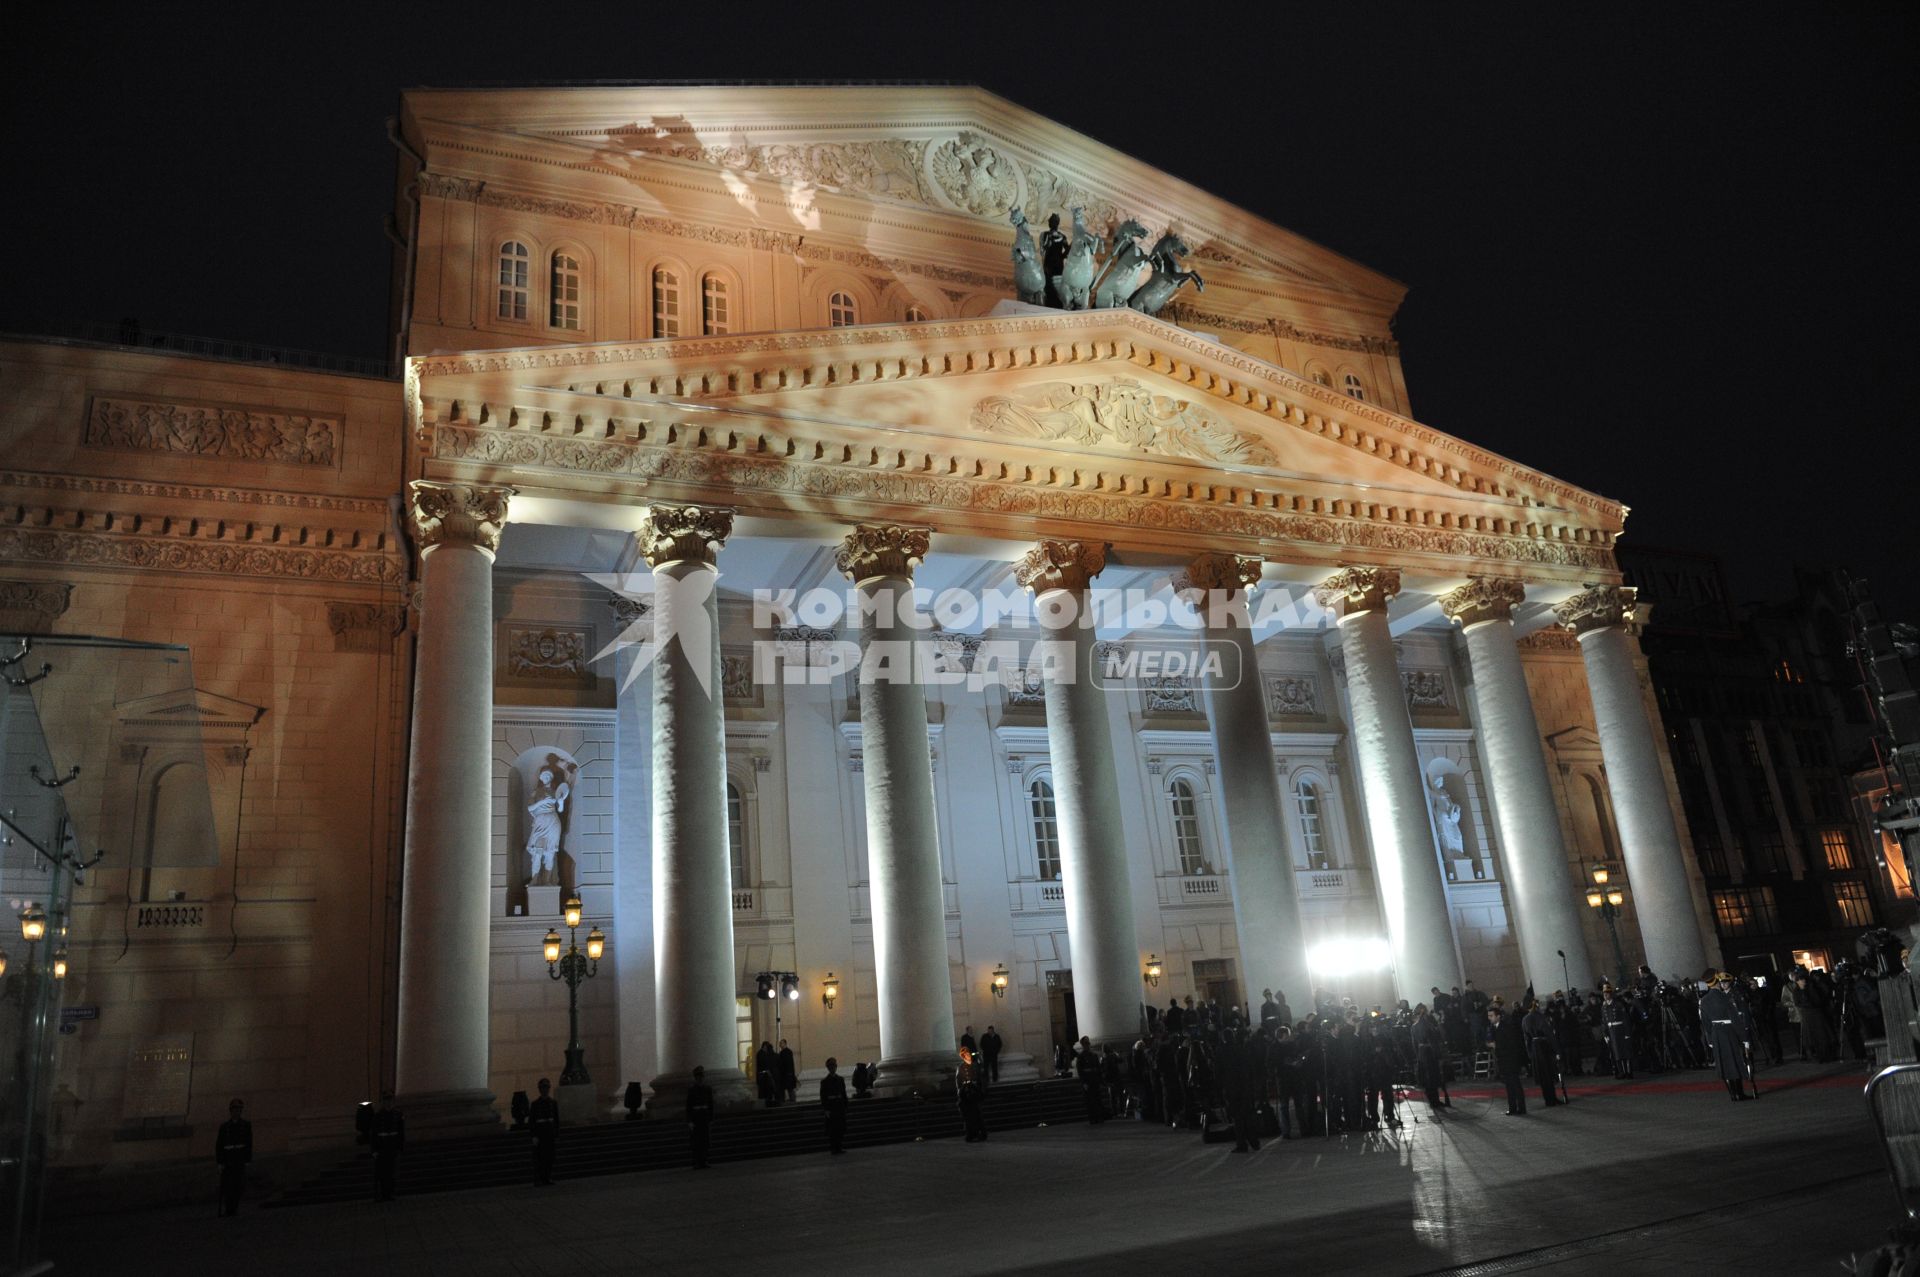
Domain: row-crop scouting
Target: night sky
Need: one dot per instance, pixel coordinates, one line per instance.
(1658, 254)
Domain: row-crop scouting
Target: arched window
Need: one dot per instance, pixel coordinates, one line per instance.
(514, 290)
(1313, 836)
(666, 303)
(1186, 828)
(1321, 375)
(716, 315)
(915, 315)
(1046, 830)
(1356, 389)
(736, 833)
(565, 294)
(841, 311)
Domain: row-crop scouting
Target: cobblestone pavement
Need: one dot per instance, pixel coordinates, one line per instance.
(1661, 1176)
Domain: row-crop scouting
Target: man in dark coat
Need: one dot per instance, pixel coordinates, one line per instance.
(1242, 1090)
(971, 1096)
(699, 1117)
(1538, 1029)
(1816, 1016)
(766, 1074)
(833, 1098)
(789, 1073)
(1428, 1046)
(1166, 1069)
(1175, 1019)
(1086, 1066)
(1729, 1028)
(1616, 1020)
(990, 1045)
(387, 1137)
(543, 1120)
(232, 1150)
(1509, 1057)
(1477, 1003)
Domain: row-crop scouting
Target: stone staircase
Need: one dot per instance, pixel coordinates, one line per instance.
(503, 1158)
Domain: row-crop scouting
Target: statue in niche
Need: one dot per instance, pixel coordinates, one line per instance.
(1028, 279)
(1446, 820)
(545, 813)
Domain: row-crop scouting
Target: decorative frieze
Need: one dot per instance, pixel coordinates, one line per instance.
(1597, 607)
(225, 558)
(805, 645)
(548, 654)
(629, 611)
(195, 492)
(1292, 696)
(1060, 565)
(457, 514)
(736, 678)
(1120, 414)
(1426, 689)
(1551, 639)
(957, 652)
(1170, 694)
(367, 628)
(1483, 599)
(1362, 589)
(683, 533)
(36, 603)
(218, 431)
(1026, 688)
(882, 549)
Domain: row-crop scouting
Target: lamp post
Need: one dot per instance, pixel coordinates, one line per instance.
(574, 966)
(778, 987)
(1608, 899)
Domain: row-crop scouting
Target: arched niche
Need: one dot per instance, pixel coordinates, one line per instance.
(523, 785)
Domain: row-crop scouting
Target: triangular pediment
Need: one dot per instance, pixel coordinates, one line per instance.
(188, 707)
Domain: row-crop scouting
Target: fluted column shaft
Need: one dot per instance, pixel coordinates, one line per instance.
(1649, 838)
(1266, 896)
(694, 978)
(903, 842)
(1542, 891)
(1413, 896)
(1086, 790)
(441, 1064)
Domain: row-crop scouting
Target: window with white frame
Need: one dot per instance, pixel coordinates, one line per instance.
(565, 291)
(515, 286)
(716, 314)
(666, 302)
(1046, 829)
(1851, 903)
(841, 311)
(1313, 836)
(1186, 827)
(1355, 388)
(737, 833)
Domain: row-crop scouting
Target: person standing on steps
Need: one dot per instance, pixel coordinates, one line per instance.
(543, 1121)
(699, 1116)
(233, 1149)
(789, 1073)
(990, 1045)
(388, 1136)
(970, 1094)
(833, 1098)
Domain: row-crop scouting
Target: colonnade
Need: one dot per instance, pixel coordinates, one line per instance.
(442, 1050)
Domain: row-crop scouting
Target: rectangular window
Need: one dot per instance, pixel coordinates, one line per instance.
(1046, 831)
(1834, 843)
(1768, 853)
(1748, 911)
(1851, 903)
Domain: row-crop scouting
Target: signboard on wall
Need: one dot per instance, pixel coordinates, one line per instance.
(159, 1077)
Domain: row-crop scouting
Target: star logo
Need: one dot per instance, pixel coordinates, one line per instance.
(657, 611)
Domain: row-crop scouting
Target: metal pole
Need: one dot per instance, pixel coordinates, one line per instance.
(1610, 912)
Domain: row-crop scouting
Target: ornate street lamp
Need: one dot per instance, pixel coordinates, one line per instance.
(1153, 972)
(59, 964)
(1000, 980)
(1608, 899)
(574, 966)
(829, 991)
(33, 923)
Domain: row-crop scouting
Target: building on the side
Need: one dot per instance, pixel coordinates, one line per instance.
(759, 342)
(1768, 725)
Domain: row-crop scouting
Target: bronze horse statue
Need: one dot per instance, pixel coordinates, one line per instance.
(1122, 272)
(1151, 297)
(1028, 279)
(1074, 283)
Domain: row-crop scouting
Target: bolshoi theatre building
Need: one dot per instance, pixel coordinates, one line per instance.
(542, 617)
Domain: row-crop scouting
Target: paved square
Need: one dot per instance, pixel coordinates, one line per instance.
(1654, 1176)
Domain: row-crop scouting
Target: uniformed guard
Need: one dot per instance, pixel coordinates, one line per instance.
(1616, 1019)
(543, 1120)
(387, 1136)
(833, 1098)
(1541, 1054)
(699, 1116)
(233, 1149)
(1729, 1025)
(969, 1094)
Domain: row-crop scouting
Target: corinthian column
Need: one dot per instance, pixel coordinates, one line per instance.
(903, 845)
(1649, 841)
(441, 1065)
(1412, 894)
(1266, 898)
(693, 975)
(1093, 858)
(1542, 891)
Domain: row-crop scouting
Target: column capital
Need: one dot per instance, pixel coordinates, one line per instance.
(1483, 598)
(456, 513)
(1354, 590)
(1217, 570)
(1597, 607)
(882, 549)
(1060, 565)
(683, 533)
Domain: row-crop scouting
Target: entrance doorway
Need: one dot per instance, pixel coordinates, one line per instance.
(1065, 1026)
(1213, 982)
(743, 1042)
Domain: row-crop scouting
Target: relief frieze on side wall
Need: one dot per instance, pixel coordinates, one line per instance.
(218, 431)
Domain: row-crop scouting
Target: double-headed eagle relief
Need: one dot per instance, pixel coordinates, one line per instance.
(1082, 270)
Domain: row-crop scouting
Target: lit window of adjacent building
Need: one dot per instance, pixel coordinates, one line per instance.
(1746, 911)
(715, 315)
(514, 287)
(1850, 902)
(841, 311)
(1186, 828)
(1046, 830)
(1306, 801)
(1834, 843)
(737, 833)
(565, 293)
(666, 302)
(1355, 388)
